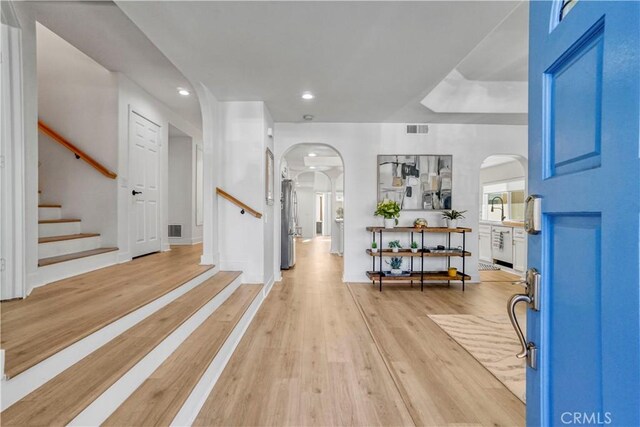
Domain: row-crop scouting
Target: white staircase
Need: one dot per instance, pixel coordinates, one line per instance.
(61, 239)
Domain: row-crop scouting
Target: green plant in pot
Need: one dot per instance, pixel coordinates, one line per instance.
(414, 247)
(374, 247)
(395, 245)
(396, 265)
(390, 211)
(452, 217)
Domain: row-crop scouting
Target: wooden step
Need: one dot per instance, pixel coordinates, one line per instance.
(57, 221)
(76, 255)
(159, 399)
(67, 237)
(61, 399)
(49, 205)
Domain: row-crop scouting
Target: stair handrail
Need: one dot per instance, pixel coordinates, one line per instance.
(46, 129)
(243, 206)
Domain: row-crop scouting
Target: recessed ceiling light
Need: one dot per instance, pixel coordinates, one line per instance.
(183, 92)
(312, 167)
(312, 154)
(307, 96)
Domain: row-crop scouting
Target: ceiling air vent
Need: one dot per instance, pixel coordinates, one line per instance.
(175, 230)
(415, 129)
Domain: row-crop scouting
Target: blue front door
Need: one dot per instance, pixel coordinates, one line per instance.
(584, 146)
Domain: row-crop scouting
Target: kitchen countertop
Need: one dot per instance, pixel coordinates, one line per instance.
(506, 223)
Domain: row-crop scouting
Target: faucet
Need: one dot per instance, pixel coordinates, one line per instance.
(501, 208)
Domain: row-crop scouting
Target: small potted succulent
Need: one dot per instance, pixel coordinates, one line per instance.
(396, 266)
(390, 211)
(374, 247)
(452, 217)
(414, 247)
(395, 245)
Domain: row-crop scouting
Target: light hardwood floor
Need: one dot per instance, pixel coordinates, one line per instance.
(320, 352)
(57, 315)
(307, 358)
(159, 399)
(498, 276)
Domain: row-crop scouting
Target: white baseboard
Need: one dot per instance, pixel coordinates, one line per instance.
(124, 257)
(179, 241)
(192, 406)
(18, 387)
(268, 286)
(101, 408)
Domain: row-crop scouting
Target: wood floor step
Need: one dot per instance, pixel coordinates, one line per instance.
(76, 255)
(159, 399)
(61, 399)
(60, 314)
(58, 221)
(49, 205)
(67, 237)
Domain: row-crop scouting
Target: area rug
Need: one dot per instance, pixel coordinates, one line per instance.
(492, 341)
(483, 266)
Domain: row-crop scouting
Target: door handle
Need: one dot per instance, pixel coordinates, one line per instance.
(529, 350)
(134, 192)
(531, 297)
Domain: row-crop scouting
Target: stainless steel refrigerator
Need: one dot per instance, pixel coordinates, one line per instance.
(288, 228)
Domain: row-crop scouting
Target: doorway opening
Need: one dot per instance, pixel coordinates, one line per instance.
(185, 189)
(312, 201)
(502, 241)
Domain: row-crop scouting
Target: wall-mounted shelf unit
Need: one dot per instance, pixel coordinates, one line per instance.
(418, 275)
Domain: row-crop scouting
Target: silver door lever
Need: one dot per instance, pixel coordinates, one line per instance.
(532, 287)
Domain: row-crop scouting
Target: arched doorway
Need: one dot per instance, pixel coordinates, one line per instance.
(502, 191)
(312, 201)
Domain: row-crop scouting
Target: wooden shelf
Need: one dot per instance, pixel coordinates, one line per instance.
(408, 253)
(415, 276)
(420, 230)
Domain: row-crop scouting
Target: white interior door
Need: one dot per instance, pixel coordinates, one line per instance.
(144, 173)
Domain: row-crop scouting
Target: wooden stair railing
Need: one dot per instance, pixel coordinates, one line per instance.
(45, 129)
(243, 207)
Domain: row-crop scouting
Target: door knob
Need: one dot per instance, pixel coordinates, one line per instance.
(134, 192)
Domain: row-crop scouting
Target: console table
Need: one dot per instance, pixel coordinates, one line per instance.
(418, 275)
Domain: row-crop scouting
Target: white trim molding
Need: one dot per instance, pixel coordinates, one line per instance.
(12, 167)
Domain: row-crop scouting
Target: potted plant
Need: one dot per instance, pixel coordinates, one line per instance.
(396, 265)
(414, 247)
(395, 245)
(452, 217)
(390, 211)
(374, 247)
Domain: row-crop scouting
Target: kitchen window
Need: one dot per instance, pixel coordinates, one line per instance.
(510, 194)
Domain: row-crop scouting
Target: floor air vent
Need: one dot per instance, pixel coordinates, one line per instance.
(175, 230)
(415, 129)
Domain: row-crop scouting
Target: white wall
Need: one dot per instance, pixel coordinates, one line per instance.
(306, 211)
(27, 21)
(502, 172)
(181, 173)
(77, 97)
(242, 158)
(132, 97)
(269, 217)
(359, 144)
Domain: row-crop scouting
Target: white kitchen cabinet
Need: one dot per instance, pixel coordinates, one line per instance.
(519, 250)
(484, 245)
